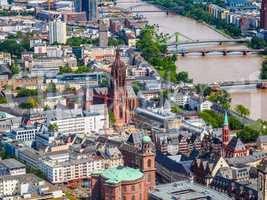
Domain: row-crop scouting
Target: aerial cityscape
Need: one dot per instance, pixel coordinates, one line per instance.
(133, 99)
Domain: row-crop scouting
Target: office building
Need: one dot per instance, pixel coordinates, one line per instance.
(185, 190)
(11, 167)
(103, 35)
(57, 32)
(77, 122)
(27, 186)
(263, 15)
(87, 6)
(24, 134)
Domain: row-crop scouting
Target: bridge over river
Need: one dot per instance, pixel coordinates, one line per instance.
(217, 51)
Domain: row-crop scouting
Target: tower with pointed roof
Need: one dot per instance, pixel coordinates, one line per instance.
(122, 100)
(226, 131)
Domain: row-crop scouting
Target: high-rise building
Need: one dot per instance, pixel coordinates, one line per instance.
(57, 32)
(103, 35)
(263, 15)
(87, 6)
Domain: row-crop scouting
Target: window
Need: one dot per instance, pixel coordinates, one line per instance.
(149, 177)
(149, 163)
(133, 188)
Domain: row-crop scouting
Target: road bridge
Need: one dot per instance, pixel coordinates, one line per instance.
(224, 52)
(199, 42)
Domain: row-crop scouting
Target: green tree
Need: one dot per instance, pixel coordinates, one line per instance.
(176, 109)
(111, 117)
(3, 100)
(14, 69)
(263, 73)
(242, 110)
(25, 92)
(183, 77)
(78, 41)
(53, 127)
(30, 103)
(83, 69)
(65, 69)
(137, 86)
(221, 97)
(203, 89)
(115, 41)
(51, 87)
(257, 43)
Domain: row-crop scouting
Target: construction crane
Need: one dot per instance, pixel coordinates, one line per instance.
(49, 5)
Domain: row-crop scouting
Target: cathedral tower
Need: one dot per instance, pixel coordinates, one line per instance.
(118, 91)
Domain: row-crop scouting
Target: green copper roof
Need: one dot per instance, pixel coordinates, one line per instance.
(146, 138)
(225, 118)
(119, 174)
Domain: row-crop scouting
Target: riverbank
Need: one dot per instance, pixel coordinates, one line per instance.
(198, 12)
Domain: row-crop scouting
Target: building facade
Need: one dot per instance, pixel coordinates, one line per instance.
(121, 183)
(57, 32)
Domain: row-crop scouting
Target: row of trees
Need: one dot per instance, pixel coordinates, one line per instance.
(153, 47)
(81, 69)
(198, 12)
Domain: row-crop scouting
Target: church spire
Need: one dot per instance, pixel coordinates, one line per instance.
(225, 119)
(226, 131)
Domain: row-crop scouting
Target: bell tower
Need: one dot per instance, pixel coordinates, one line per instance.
(226, 130)
(148, 162)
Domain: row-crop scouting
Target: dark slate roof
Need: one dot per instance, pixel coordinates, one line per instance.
(135, 138)
(4, 70)
(262, 138)
(182, 168)
(236, 144)
(234, 188)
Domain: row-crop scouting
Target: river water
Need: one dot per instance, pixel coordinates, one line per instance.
(213, 68)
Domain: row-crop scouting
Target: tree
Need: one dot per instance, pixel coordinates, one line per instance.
(30, 103)
(221, 97)
(14, 69)
(65, 69)
(263, 73)
(111, 117)
(203, 89)
(137, 86)
(78, 41)
(51, 87)
(53, 127)
(176, 109)
(25, 92)
(183, 77)
(115, 41)
(257, 43)
(83, 69)
(3, 100)
(242, 110)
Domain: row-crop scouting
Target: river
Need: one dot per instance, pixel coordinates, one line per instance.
(213, 68)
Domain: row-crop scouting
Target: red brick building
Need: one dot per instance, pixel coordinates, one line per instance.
(139, 152)
(121, 183)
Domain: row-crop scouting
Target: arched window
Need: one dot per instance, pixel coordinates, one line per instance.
(149, 163)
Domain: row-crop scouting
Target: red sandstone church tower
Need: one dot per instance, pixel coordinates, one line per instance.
(226, 131)
(263, 15)
(122, 100)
